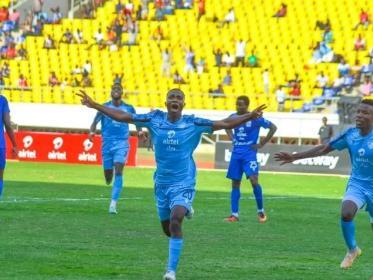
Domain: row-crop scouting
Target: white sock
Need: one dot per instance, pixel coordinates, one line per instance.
(261, 211)
(235, 214)
(113, 203)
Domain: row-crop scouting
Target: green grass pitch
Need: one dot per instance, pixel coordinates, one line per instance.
(54, 224)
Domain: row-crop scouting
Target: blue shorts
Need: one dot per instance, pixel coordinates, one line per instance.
(167, 197)
(2, 158)
(238, 166)
(360, 196)
(114, 153)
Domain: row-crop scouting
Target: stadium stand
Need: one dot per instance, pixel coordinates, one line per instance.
(294, 47)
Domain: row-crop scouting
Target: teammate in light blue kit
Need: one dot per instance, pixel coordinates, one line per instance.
(244, 160)
(5, 121)
(359, 192)
(175, 137)
(114, 143)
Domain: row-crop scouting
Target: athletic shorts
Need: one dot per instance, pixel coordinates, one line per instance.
(360, 196)
(238, 166)
(167, 197)
(117, 152)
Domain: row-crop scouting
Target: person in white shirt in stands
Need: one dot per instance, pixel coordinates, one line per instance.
(266, 81)
(228, 59)
(229, 17)
(321, 80)
(281, 98)
(240, 52)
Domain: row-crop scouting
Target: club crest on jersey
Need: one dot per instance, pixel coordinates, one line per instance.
(248, 124)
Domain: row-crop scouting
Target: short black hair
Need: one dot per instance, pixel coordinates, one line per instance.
(244, 98)
(177, 90)
(367, 101)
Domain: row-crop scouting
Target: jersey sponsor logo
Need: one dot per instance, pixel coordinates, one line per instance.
(171, 141)
(56, 154)
(241, 133)
(26, 152)
(85, 155)
(328, 161)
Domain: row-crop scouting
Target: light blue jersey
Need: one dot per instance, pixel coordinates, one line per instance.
(247, 135)
(360, 185)
(114, 136)
(174, 145)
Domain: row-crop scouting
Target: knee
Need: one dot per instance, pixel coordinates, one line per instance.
(166, 231)
(347, 215)
(254, 182)
(175, 225)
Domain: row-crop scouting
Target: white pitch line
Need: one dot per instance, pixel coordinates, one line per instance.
(46, 200)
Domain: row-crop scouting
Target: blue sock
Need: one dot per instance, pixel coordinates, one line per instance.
(117, 187)
(257, 190)
(235, 200)
(175, 246)
(1, 187)
(348, 229)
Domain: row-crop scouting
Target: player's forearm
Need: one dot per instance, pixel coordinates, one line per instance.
(117, 115)
(232, 122)
(229, 133)
(272, 131)
(314, 152)
(10, 132)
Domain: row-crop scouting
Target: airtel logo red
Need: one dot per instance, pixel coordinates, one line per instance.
(27, 141)
(57, 143)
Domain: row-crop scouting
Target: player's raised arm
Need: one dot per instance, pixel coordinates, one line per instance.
(117, 115)
(234, 121)
(319, 150)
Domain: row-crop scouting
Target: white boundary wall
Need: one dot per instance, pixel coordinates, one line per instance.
(296, 125)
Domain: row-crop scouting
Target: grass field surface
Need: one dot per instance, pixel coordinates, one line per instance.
(54, 224)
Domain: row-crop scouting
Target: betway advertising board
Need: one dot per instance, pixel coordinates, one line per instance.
(63, 147)
(336, 162)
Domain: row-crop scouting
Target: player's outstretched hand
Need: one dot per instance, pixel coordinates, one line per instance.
(143, 136)
(284, 158)
(85, 99)
(258, 112)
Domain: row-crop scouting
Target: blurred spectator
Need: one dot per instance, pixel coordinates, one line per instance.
(229, 17)
(366, 88)
(218, 92)
(363, 19)
(178, 79)
(321, 80)
(64, 84)
(67, 37)
(11, 52)
(322, 53)
(118, 78)
(280, 98)
(53, 80)
(158, 34)
(240, 52)
(227, 80)
(4, 14)
(282, 11)
(110, 35)
(22, 52)
(325, 132)
(128, 8)
(56, 15)
(218, 57)
(252, 60)
(38, 6)
(201, 66)
(14, 16)
(328, 35)
(76, 82)
(77, 70)
(201, 8)
(2, 82)
(166, 63)
(359, 44)
(49, 43)
(295, 90)
(118, 7)
(78, 37)
(132, 35)
(323, 25)
(86, 82)
(228, 59)
(343, 68)
(87, 67)
(189, 60)
(99, 40)
(265, 76)
(22, 81)
(5, 70)
(118, 29)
